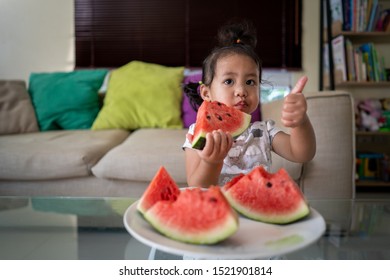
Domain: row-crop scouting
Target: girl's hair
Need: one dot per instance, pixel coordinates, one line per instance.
(233, 38)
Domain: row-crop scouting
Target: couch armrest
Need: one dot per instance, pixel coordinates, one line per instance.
(331, 173)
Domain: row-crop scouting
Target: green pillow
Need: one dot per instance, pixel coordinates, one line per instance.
(142, 95)
(66, 100)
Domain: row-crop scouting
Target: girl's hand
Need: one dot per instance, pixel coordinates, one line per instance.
(294, 107)
(218, 144)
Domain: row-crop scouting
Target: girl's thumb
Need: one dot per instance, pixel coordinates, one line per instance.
(300, 85)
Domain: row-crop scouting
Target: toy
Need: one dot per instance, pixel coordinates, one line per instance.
(369, 114)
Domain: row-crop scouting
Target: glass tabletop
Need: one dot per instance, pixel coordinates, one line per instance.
(92, 228)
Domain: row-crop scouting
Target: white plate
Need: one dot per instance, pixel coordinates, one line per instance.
(253, 240)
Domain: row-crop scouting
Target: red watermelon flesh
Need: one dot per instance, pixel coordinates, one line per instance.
(216, 115)
(198, 216)
(263, 196)
(162, 187)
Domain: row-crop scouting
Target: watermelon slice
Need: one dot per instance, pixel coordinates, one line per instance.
(215, 115)
(162, 187)
(197, 216)
(266, 197)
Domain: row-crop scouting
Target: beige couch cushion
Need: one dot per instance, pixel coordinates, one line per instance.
(54, 154)
(140, 156)
(331, 172)
(16, 111)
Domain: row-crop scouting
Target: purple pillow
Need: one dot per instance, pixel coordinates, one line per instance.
(188, 113)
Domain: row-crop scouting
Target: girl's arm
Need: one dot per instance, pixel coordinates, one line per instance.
(204, 167)
(300, 145)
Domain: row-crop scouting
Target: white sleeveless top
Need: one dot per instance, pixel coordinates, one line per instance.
(252, 148)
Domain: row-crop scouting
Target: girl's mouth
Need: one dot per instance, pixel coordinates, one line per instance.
(241, 105)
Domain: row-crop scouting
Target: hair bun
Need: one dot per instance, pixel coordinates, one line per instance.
(237, 32)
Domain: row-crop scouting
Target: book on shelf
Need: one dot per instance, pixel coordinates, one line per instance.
(383, 21)
(336, 8)
(339, 59)
(326, 67)
(360, 66)
(336, 18)
(354, 60)
(346, 14)
(374, 64)
(373, 16)
(367, 53)
(359, 16)
(350, 60)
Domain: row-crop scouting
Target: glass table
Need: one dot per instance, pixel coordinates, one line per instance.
(61, 228)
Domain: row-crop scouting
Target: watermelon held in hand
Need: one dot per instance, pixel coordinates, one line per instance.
(215, 115)
(267, 197)
(162, 187)
(198, 216)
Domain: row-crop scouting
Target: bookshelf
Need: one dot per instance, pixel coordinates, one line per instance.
(362, 84)
(365, 77)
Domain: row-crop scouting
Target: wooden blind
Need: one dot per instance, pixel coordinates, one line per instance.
(110, 33)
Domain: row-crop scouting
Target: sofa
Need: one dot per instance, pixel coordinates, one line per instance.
(112, 162)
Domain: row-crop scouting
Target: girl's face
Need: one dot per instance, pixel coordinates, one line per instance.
(236, 83)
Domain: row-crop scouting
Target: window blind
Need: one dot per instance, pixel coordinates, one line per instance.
(110, 33)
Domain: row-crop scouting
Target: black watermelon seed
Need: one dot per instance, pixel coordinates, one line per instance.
(269, 184)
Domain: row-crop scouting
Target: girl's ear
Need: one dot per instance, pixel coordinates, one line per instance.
(205, 92)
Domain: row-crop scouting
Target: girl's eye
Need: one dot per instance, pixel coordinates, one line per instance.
(250, 82)
(228, 82)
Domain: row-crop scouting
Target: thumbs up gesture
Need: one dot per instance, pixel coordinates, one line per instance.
(294, 106)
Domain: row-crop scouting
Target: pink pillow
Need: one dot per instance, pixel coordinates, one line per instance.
(188, 114)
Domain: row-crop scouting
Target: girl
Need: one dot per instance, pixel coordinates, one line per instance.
(231, 74)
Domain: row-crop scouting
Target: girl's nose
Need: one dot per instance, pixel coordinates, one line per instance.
(240, 91)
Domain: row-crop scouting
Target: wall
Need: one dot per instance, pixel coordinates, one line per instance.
(38, 36)
(35, 36)
(310, 45)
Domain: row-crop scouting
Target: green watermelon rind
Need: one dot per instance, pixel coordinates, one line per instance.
(225, 229)
(199, 142)
(140, 206)
(301, 211)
